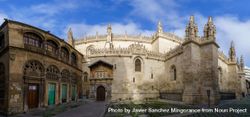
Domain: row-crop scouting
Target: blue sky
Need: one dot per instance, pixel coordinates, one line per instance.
(231, 17)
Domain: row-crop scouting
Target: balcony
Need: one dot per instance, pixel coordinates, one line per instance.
(52, 54)
(34, 49)
(43, 51)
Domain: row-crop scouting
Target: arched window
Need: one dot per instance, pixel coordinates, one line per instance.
(2, 84)
(64, 54)
(138, 65)
(173, 72)
(65, 75)
(85, 77)
(33, 68)
(32, 39)
(73, 59)
(52, 73)
(52, 47)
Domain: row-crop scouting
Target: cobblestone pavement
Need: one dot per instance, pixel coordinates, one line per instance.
(93, 109)
(89, 109)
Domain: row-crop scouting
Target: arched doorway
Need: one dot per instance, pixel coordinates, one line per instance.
(100, 93)
(33, 84)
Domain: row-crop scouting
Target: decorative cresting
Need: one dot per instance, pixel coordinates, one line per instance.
(191, 29)
(33, 68)
(232, 53)
(110, 37)
(52, 73)
(138, 49)
(223, 57)
(65, 75)
(174, 52)
(209, 29)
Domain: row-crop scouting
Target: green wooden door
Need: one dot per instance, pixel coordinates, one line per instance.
(52, 93)
(64, 93)
(73, 96)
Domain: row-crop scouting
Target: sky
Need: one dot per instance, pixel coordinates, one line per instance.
(86, 17)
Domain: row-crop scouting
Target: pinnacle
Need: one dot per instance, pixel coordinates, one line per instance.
(210, 19)
(191, 20)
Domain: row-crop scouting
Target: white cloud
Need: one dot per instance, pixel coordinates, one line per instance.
(231, 28)
(83, 29)
(2, 16)
(164, 10)
(53, 8)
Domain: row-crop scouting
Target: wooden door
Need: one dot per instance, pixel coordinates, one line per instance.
(100, 93)
(33, 95)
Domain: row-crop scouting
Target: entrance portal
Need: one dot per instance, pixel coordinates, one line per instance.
(33, 96)
(100, 93)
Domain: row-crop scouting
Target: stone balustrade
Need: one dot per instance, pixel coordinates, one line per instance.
(223, 57)
(173, 52)
(134, 49)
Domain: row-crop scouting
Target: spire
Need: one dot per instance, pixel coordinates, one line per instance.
(232, 54)
(191, 28)
(159, 27)
(209, 29)
(242, 65)
(70, 37)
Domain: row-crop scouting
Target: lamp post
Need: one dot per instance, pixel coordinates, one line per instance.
(208, 96)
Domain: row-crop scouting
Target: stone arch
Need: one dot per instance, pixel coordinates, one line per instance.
(138, 64)
(52, 46)
(100, 93)
(74, 58)
(33, 68)
(65, 53)
(65, 74)
(35, 32)
(34, 39)
(33, 72)
(52, 72)
(89, 48)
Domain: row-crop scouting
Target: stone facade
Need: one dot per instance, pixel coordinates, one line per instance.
(191, 70)
(115, 67)
(36, 65)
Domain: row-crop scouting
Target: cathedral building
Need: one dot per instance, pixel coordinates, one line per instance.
(135, 67)
(38, 69)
